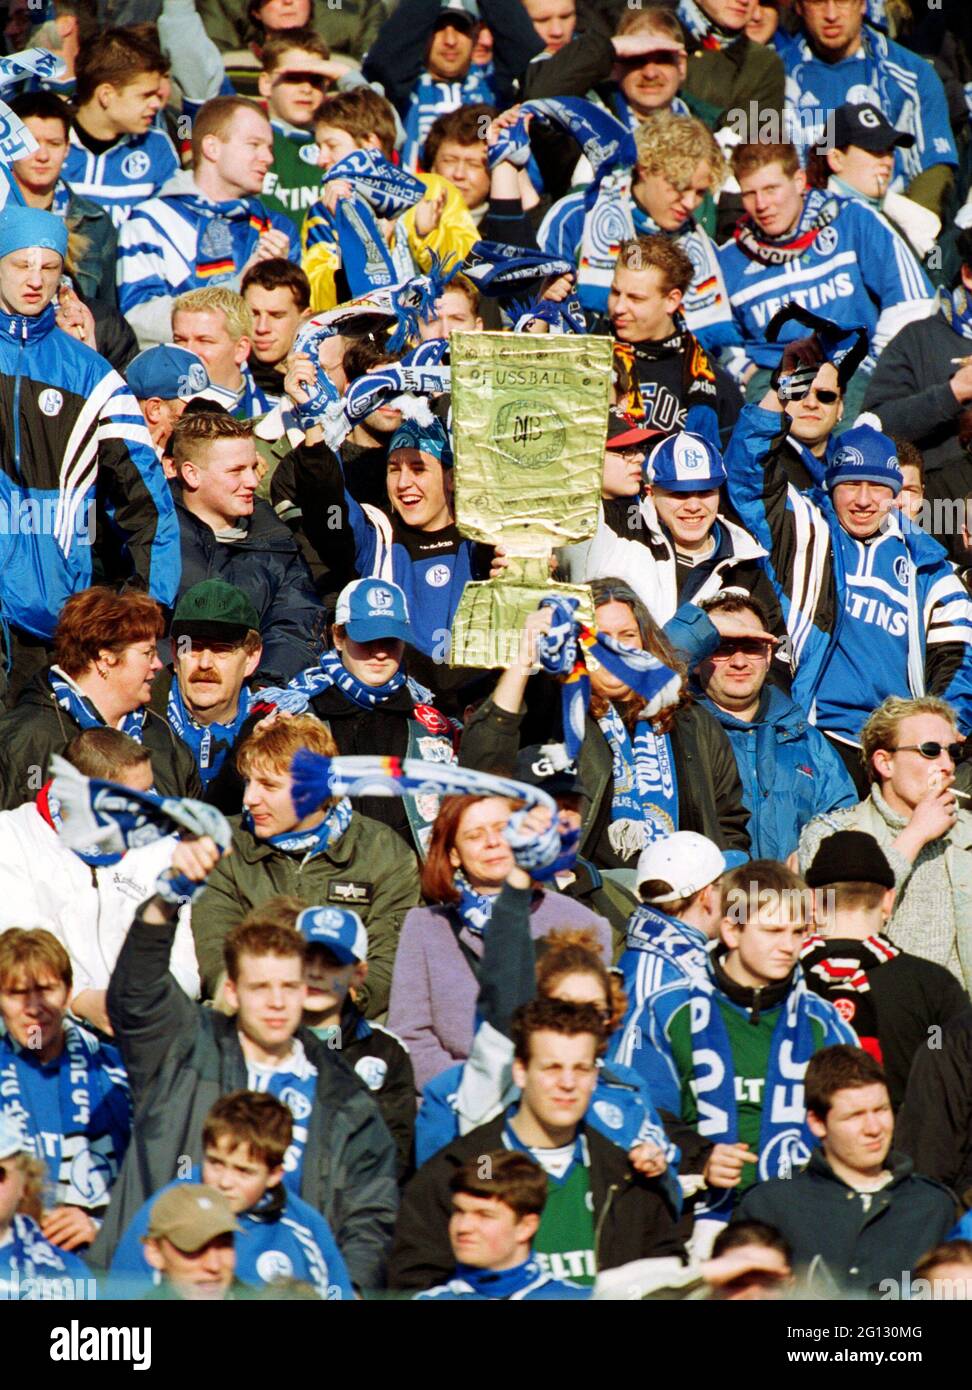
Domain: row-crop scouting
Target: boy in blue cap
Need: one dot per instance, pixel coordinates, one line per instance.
(336, 962)
(75, 433)
(679, 549)
(871, 604)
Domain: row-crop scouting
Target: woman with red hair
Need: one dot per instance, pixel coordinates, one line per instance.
(105, 659)
(433, 993)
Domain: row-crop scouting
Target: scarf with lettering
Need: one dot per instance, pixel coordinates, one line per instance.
(498, 268)
(644, 804)
(785, 1140)
(819, 210)
(431, 99)
(840, 969)
(31, 1267)
(564, 650)
(405, 384)
(208, 743)
(957, 311)
(380, 191)
(709, 35)
(651, 929)
(75, 1113)
(317, 840)
(83, 712)
(607, 143)
(294, 1084)
(295, 697)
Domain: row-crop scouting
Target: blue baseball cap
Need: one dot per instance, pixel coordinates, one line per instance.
(168, 372)
(430, 439)
(685, 463)
(371, 608)
(337, 928)
(865, 455)
(22, 227)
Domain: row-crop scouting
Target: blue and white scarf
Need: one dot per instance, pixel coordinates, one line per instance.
(644, 805)
(380, 190)
(500, 1283)
(200, 738)
(317, 840)
(295, 697)
(785, 1140)
(18, 68)
(607, 144)
(82, 710)
(564, 316)
(497, 268)
(431, 99)
(651, 929)
(564, 652)
(957, 311)
(32, 1268)
(74, 1114)
(474, 908)
(704, 30)
(403, 384)
(295, 1085)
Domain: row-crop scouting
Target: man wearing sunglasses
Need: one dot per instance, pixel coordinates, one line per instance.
(297, 71)
(810, 444)
(910, 749)
(872, 606)
(205, 695)
(788, 770)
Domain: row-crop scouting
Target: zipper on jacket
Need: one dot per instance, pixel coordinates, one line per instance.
(16, 399)
(754, 1012)
(598, 1229)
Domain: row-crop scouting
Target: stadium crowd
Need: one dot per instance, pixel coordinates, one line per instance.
(636, 967)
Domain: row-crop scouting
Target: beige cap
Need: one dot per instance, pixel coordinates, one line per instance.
(191, 1215)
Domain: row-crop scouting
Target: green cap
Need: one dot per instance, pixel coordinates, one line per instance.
(214, 609)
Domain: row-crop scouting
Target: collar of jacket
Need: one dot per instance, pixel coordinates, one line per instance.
(899, 1165)
(775, 707)
(734, 542)
(264, 532)
(30, 328)
(755, 1001)
(250, 849)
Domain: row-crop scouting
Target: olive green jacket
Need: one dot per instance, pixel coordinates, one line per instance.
(370, 870)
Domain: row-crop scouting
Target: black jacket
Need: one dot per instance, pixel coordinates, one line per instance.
(935, 1122)
(268, 567)
(631, 1218)
(709, 790)
(181, 1057)
(37, 726)
(380, 1060)
(860, 1245)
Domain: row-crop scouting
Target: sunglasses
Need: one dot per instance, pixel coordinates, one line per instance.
(931, 750)
(749, 646)
(826, 396)
(315, 79)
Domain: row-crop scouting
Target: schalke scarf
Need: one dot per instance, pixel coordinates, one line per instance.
(315, 778)
(819, 210)
(957, 311)
(475, 909)
(785, 1141)
(68, 1120)
(28, 1261)
(651, 929)
(83, 712)
(565, 650)
(404, 384)
(499, 1284)
(498, 268)
(317, 840)
(17, 68)
(295, 697)
(380, 190)
(200, 737)
(843, 980)
(644, 806)
(709, 35)
(607, 144)
(431, 99)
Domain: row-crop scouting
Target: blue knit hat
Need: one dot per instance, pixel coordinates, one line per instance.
(865, 455)
(23, 227)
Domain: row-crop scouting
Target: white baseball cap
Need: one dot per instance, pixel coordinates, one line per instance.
(685, 860)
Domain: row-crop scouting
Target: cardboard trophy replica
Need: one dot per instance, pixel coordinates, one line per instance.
(529, 423)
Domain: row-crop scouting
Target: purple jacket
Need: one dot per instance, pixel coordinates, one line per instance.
(434, 991)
